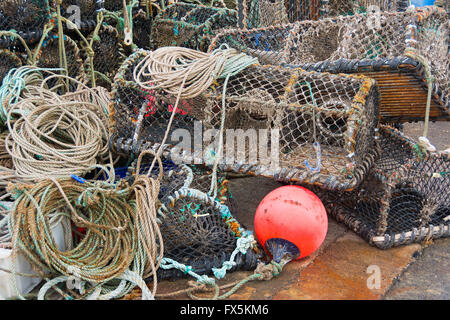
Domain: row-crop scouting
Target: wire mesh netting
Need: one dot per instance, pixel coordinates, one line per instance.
(189, 25)
(323, 124)
(264, 13)
(385, 46)
(312, 117)
(83, 13)
(139, 117)
(26, 17)
(404, 199)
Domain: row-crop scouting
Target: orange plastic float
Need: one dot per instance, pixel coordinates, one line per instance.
(291, 223)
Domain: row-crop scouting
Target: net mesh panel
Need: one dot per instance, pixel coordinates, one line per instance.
(5, 157)
(404, 199)
(114, 5)
(8, 61)
(142, 28)
(191, 26)
(333, 8)
(372, 44)
(108, 56)
(264, 13)
(26, 17)
(340, 110)
(48, 57)
(87, 10)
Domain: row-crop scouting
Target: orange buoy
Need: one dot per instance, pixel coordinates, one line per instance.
(291, 223)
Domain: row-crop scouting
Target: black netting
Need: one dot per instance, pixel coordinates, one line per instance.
(378, 45)
(8, 61)
(332, 8)
(108, 56)
(81, 12)
(337, 112)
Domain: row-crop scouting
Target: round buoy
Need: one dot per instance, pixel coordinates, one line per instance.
(291, 221)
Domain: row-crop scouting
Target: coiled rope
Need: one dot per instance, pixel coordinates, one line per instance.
(187, 73)
(57, 135)
(122, 243)
(16, 83)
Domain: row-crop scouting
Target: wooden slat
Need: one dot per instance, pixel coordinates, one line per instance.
(403, 97)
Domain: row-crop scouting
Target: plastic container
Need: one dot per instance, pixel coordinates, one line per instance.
(24, 284)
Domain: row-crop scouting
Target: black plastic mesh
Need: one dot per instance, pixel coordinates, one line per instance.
(404, 199)
(191, 26)
(265, 13)
(26, 17)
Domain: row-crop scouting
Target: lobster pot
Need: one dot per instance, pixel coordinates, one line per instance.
(8, 61)
(333, 8)
(201, 233)
(48, 57)
(142, 29)
(385, 46)
(190, 26)
(318, 128)
(139, 118)
(296, 111)
(405, 198)
(26, 17)
(108, 56)
(264, 13)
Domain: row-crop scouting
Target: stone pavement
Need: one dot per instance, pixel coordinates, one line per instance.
(345, 267)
